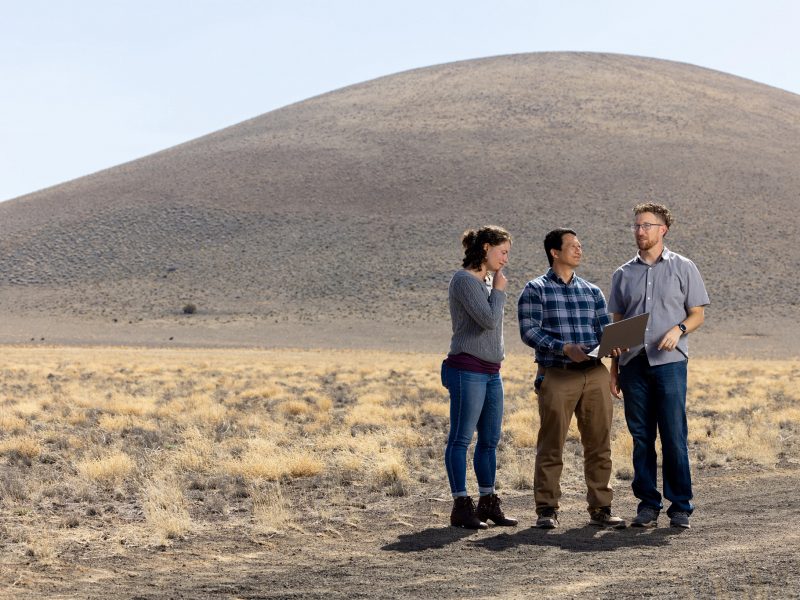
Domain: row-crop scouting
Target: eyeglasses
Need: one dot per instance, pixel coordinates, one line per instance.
(645, 226)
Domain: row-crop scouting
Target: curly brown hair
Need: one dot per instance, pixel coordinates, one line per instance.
(474, 239)
(657, 209)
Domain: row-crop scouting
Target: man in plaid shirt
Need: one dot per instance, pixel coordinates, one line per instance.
(562, 316)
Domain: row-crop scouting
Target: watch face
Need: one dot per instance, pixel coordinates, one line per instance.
(682, 327)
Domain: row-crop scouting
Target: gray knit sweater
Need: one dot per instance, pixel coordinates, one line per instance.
(477, 316)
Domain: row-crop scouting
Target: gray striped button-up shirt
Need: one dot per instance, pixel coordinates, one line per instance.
(667, 290)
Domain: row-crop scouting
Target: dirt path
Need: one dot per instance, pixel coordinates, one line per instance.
(745, 542)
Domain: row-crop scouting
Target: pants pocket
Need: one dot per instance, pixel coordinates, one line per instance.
(444, 374)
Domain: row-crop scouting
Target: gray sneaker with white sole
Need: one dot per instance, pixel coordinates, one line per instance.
(679, 519)
(646, 517)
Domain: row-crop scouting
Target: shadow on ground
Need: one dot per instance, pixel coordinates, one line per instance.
(428, 539)
(587, 538)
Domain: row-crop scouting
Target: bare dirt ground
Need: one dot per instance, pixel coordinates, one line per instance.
(752, 334)
(744, 542)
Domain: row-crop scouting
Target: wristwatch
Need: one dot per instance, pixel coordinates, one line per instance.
(682, 327)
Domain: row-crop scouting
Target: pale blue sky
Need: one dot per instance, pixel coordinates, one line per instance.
(89, 84)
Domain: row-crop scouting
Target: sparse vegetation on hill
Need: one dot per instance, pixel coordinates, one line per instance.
(350, 205)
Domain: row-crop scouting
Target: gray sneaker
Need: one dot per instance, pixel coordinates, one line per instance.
(646, 517)
(548, 519)
(679, 519)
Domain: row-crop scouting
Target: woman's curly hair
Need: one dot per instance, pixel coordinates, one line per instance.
(474, 239)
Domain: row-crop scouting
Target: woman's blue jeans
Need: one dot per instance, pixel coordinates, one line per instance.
(655, 399)
(476, 402)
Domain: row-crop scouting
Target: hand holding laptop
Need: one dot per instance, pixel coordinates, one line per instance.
(580, 355)
(576, 353)
(620, 336)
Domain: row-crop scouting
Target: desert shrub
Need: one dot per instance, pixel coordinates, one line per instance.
(11, 423)
(22, 448)
(305, 464)
(165, 507)
(270, 506)
(390, 473)
(111, 469)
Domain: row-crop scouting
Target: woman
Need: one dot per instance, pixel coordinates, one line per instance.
(471, 372)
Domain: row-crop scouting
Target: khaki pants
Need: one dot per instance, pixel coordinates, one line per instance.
(586, 395)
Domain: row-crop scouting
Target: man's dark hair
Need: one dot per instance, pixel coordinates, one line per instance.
(552, 241)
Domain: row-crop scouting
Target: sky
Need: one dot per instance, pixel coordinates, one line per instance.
(89, 84)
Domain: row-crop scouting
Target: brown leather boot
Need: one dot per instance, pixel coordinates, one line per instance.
(489, 509)
(463, 514)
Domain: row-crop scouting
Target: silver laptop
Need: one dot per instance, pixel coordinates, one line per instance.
(622, 334)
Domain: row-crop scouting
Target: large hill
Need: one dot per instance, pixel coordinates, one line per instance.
(336, 220)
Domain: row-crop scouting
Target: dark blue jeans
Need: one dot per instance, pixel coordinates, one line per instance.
(655, 400)
(476, 403)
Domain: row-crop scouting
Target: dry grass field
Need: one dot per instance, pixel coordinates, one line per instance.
(252, 473)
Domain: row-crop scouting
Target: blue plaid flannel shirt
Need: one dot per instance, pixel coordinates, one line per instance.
(552, 314)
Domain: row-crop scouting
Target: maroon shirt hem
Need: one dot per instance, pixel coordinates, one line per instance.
(467, 362)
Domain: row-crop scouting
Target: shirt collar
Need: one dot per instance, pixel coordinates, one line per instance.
(554, 277)
(664, 256)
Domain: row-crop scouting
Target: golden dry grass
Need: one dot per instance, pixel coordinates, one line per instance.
(110, 469)
(271, 510)
(270, 441)
(166, 507)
